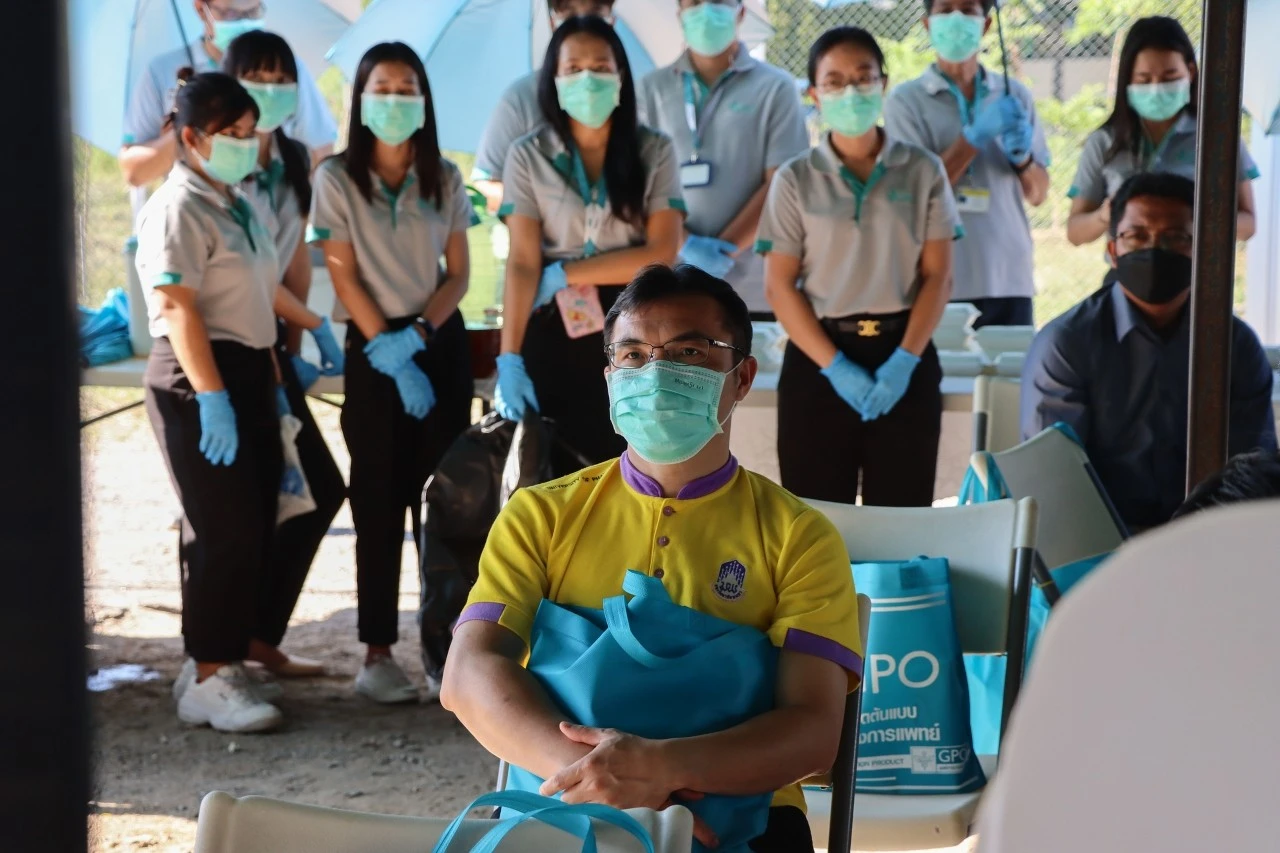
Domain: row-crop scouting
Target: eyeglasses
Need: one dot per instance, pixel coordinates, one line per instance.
(1137, 239)
(256, 14)
(627, 355)
(865, 85)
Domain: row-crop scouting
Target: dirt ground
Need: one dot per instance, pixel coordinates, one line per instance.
(335, 749)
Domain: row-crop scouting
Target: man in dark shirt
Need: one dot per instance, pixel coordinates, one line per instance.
(1115, 366)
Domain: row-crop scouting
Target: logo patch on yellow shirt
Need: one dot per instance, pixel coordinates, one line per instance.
(732, 581)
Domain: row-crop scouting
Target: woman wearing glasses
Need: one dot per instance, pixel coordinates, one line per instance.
(590, 198)
(857, 237)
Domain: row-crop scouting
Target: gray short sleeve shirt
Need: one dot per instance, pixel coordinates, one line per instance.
(191, 235)
(539, 183)
(859, 243)
(276, 205)
(398, 237)
(996, 257)
(516, 115)
(750, 121)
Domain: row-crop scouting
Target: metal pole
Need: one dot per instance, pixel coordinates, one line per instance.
(1218, 147)
(44, 723)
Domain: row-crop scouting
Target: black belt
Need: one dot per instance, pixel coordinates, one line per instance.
(868, 325)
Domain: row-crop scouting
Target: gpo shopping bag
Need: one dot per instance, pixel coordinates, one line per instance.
(914, 736)
(573, 819)
(657, 669)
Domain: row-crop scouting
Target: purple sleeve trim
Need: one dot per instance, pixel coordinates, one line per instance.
(812, 644)
(484, 611)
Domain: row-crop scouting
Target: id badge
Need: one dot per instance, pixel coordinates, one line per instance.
(581, 311)
(695, 173)
(973, 200)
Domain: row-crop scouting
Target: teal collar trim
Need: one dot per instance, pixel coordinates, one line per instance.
(242, 212)
(861, 189)
(393, 196)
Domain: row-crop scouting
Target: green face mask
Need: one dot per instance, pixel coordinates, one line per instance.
(956, 36)
(277, 102)
(709, 28)
(854, 110)
(667, 412)
(230, 160)
(589, 97)
(393, 118)
(225, 32)
(1159, 101)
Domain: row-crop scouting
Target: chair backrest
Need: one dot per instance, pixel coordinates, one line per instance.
(844, 774)
(994, 340)
(264, 825)
(979, 541)
(1077, 518)
(996, 413)
(954, 331)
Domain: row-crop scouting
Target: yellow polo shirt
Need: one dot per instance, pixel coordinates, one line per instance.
(732, 544)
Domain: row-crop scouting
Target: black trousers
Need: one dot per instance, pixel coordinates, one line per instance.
(787, 832)
(824, 445)
(228, 511)
(568, 377)
(392, 455)
(1003, 311)
(294, 546)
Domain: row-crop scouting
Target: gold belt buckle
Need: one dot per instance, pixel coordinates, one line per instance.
(868, 328)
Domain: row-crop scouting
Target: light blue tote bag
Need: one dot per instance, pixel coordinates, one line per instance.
(574, 819)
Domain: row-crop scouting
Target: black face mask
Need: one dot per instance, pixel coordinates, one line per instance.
(1156, 276)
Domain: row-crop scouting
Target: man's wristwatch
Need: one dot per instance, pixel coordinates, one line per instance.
(1019, 168)
(424, 327)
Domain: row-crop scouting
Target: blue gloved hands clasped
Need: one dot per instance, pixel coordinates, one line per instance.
(852, 383)
(332, 359)
(219, 440)
(416, 392)
(553, 281)
(514, 394)
(308, 374)
(282, 402)
(892, 380)
(712, 256)
(390, 351)
(992, 119)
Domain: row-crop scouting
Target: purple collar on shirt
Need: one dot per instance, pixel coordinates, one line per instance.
(699, 488)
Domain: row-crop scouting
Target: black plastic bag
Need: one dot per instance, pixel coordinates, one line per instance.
(476, 477)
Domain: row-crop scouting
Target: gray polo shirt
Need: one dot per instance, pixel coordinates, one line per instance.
(538, 182)
(859, 243)
(276, 205)
(516, 115)
(398, 237)
(190, 235)
(750, 121)
(995, 258)
(1098, 177)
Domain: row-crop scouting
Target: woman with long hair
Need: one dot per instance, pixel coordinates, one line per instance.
(386, 211)
(590, 198)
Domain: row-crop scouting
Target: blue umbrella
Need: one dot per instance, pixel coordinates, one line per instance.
(113, 41)
(474, 49)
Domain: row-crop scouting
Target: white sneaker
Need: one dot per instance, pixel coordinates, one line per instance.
(432, 691)
(260, 681)
(385, 682)
(227, 701)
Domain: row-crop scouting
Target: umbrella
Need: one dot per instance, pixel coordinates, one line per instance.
(111, 43)
(481, 46)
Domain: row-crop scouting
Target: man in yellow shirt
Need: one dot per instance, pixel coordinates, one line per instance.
(721, 539)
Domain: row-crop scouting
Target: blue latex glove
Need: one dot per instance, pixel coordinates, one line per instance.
(892, 380)
(712, 256)
(415, 389)
(390, 351)
(514, 394)
(332, 359)
(552, 282)
(282, 402)
(1018, 139)
(852, 383)
(992, 119)
(219, 440)
(308, 373)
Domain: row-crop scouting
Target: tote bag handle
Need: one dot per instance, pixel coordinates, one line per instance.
(574, 819)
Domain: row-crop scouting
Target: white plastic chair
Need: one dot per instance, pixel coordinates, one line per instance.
(989, 548)
(997, 340)
(996, 415)
(955, 330)
(264, 825)
(1149, 721)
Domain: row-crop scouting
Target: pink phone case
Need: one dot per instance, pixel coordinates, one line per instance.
(581, 311)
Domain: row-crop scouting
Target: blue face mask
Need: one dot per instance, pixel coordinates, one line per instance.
(852, 111)
(956, 36)
(709, 28)
(277, 102)
(230, 160)
(393, 118)
(1159, 101)
(667, 412)
(589, 97)
(225, 32)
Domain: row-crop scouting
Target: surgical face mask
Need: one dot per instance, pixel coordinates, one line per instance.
(230, 160)
(589, 97)
(1159, 101)
(225, 32)
(1156, 276)
(854, 110)
(956, 36)
(393, 118)
(709, 28)
(277, 102)
(667, 412)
